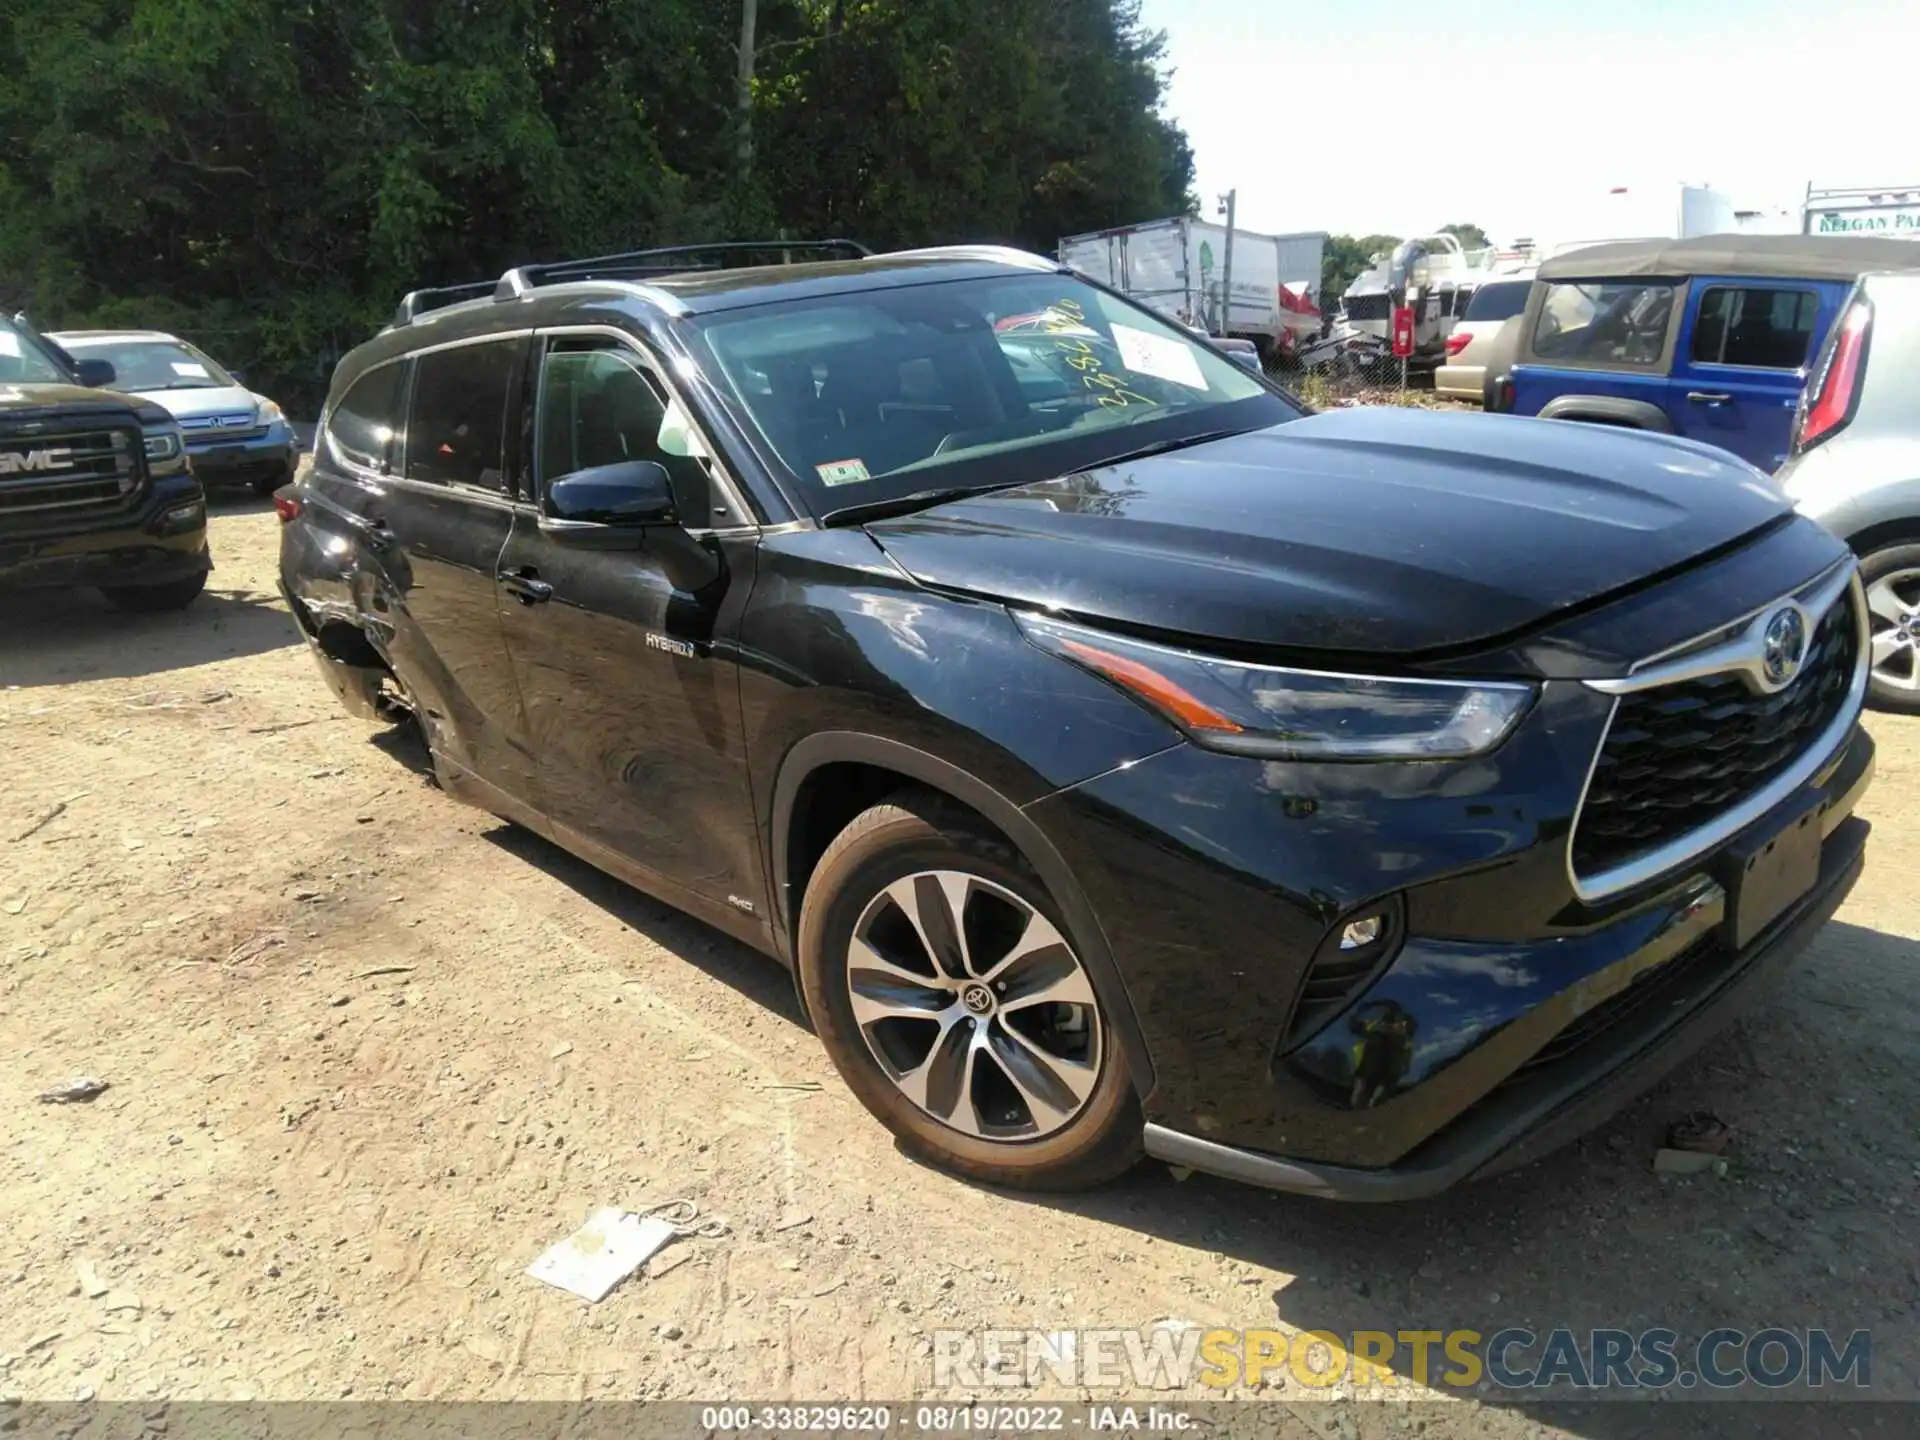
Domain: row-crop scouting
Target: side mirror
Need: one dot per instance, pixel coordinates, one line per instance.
(95, 374)
(629, 494)
(239, 376)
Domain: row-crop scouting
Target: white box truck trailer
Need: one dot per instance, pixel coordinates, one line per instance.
(1177, 267)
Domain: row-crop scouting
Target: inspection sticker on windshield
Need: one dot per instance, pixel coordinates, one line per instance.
(9, 345)
(1159, 356)
(842, 472)
(191, 369)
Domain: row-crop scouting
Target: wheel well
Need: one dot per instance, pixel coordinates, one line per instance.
(347, 643)
(826, 803)
(1888, 532)
(1614, 421)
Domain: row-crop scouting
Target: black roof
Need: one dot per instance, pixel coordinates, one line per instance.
(647, 301)
(1802, 257)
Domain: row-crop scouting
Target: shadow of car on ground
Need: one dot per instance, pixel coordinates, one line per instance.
(59, 637)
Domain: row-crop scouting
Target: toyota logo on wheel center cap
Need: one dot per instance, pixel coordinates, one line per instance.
(1783, 646)
(977, 998)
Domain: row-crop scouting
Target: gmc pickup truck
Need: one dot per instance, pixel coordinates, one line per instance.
(95, 489)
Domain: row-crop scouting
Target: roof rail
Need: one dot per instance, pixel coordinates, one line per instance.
(416, 303)
(674, 260)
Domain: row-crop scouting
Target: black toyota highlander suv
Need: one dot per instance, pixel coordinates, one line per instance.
(1123, 758)
(94, 485)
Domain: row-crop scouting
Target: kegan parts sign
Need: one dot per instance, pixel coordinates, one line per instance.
(1891, 220)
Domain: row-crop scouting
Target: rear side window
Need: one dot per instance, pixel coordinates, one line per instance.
(600, 405)
(362, 429)
(456, 426)
(1767, 329)
(1604, 322)
(1499, 301)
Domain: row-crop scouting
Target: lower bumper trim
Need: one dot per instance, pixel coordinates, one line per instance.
(1550, 1119)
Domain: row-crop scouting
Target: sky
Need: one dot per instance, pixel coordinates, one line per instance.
(1395, 117)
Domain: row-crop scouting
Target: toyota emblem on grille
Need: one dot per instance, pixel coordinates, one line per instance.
(1783, 646)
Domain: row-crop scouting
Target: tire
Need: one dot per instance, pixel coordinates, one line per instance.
(152, 599)
(1891, 577)
(265, 485)
(1072, 1057)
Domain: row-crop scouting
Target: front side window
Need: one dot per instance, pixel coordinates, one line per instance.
(600, 405)
(969, 383)
(363, 426)
(456, 425)
(1768, 329)
(146, 365)
(1604, 322)
(23, 362)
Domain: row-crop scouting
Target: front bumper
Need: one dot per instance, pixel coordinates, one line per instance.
(164, 540)
(270, 455)
(1523, 1121)
(1509, 1010)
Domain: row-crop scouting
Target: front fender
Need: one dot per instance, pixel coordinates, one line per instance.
(1089, 938)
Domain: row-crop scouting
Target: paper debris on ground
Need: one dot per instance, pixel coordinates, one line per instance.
(1668, 1161)
(601, 1253)
(77, 1091)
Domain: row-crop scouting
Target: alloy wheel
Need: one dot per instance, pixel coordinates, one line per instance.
(1894, 600)
(975, 1006)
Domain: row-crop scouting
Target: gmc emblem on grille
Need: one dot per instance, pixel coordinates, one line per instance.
(15, 462)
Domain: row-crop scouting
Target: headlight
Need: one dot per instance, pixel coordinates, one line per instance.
(1271, 711)
(162, 444)
(270, 412)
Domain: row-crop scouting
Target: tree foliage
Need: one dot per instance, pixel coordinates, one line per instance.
(1347, 258)
(268, 176)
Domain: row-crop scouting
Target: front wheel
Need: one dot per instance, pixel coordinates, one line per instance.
(953, 1003)
(150, 599)
(265, 485)
(1891, 576)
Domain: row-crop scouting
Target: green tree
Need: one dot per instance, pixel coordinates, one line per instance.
(1471, 236)
(268, 176)
(1346, 258)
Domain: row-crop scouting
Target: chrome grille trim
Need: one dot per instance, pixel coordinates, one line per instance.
(1689, 661)
(104, 470)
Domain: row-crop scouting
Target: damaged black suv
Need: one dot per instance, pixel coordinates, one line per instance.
(1124, 759)
(94, 485)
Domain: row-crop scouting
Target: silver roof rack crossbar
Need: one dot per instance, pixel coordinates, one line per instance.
(416, 303)
(675, 260)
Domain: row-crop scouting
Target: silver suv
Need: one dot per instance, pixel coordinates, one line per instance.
(1854, 465)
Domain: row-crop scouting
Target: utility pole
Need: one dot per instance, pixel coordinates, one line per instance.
(743, 95)
(1226, 266)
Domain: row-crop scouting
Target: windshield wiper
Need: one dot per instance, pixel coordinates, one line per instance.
(1161, 447)
(906, 504)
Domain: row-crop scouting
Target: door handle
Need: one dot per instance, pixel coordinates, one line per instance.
(526, 584)
(1708, 397)
(378, 535)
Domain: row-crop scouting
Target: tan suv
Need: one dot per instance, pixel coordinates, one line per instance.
(1474, 350)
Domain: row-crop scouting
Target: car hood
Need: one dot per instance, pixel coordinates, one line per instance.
(1354, 531)
(214, 400)
(23, 403)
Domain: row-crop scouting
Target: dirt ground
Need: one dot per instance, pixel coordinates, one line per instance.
(371, 1052)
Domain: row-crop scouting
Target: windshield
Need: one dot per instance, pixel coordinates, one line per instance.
(152, 364)
(888, 393)
(23, 362)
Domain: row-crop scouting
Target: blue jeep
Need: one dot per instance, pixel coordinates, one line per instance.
(1707, 338)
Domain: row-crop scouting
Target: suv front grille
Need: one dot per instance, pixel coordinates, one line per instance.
(221, 429)
(1678, 756)
(95, 469)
